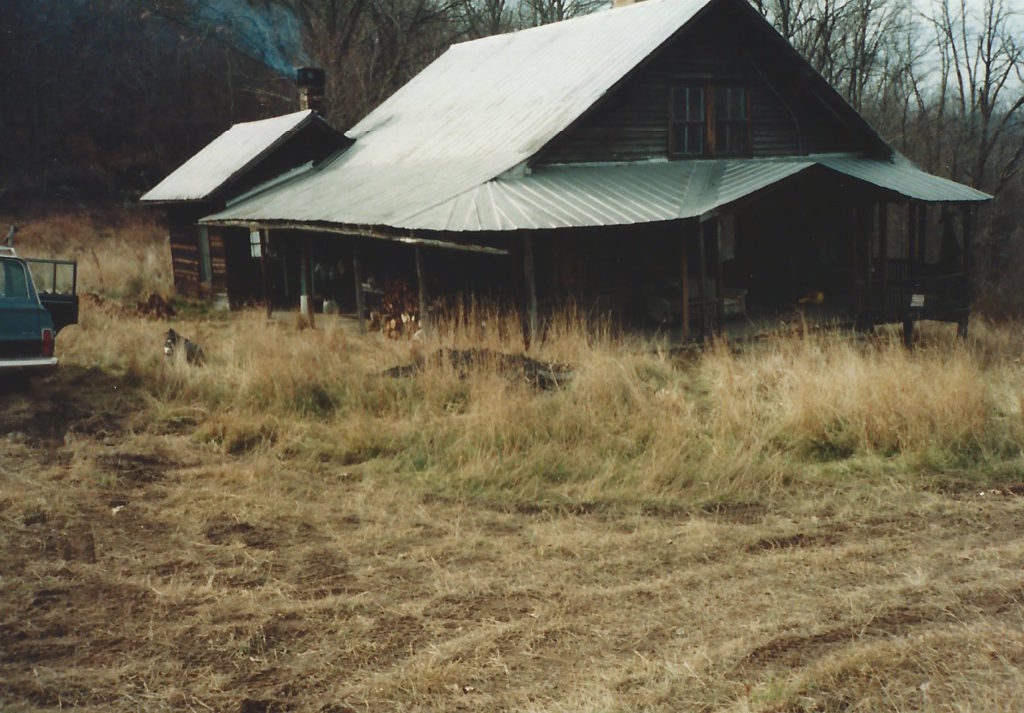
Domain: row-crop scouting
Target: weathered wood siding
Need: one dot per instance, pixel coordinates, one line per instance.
(632, 123)
(184, 249)
(219, 272)
(184, 233)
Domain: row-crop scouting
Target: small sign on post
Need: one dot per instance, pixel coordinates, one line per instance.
(917, 300)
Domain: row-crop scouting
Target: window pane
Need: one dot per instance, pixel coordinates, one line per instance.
(696, 104)
(731, 137)
(688, 121)
(690, 139)
(730, 103)
(678, 104)
(738, 104)
(14, 282)
(739, 138)
(721, 103)
(688, 104)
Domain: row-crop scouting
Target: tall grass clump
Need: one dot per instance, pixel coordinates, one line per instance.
(635, 421)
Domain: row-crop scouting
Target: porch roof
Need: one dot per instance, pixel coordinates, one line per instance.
(597, 195)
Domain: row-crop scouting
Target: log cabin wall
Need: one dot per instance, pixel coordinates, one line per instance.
(186, 252)
(181, 224)
(218, 284)
(786, 117)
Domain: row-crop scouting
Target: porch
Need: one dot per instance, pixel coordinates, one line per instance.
(811, 246)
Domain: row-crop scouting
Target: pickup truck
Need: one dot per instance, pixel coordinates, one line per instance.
(37, 300)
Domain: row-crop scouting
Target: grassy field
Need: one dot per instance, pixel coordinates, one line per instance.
(821, 524)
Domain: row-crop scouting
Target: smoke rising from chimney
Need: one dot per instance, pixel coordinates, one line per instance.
(270, 33)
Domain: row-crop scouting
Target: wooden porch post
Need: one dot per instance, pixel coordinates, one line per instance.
(867, 230)
(719, 279)
(912, 238)
(968, 247)
(852, 234)
(530, 279)
(913, 269)
(961, 328)
(702, 288)
(357, 274)
(922, 233)
(305, 281)
(421, 282)
(883, 255)
(263, 270)
(685, 281)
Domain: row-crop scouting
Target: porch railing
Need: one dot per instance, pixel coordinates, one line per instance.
(915, 291)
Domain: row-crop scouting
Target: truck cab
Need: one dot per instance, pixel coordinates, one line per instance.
(30, 318)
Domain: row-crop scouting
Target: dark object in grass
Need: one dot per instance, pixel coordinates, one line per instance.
(539, 374)
(174, 342)
(156, 307)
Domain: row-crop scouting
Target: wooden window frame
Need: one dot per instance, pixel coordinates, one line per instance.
(719, 122)
(675, 123)
(711, 122)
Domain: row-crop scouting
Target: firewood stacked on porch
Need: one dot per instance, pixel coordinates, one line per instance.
(399, 313)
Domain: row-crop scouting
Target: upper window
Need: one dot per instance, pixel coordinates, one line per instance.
(689, 122)
(709, 120)
(731, 126)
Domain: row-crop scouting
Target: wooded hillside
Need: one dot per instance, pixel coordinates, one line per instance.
(101, 98)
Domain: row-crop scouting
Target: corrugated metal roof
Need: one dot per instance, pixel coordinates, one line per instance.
(442, 152)
(477, 111)
(510, 94)
(904, 178)
(624, 194)
(226, 156)
(608, 194)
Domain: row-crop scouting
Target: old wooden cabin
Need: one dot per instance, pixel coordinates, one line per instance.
(674, 163)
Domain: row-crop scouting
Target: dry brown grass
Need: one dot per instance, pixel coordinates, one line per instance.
(802, 525)
(636, 422)
(120, 254)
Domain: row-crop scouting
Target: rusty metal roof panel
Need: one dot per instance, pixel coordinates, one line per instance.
(225, 157)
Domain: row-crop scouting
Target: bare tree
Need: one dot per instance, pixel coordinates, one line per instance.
(487, 17)
(981, 97)
(542, 12)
